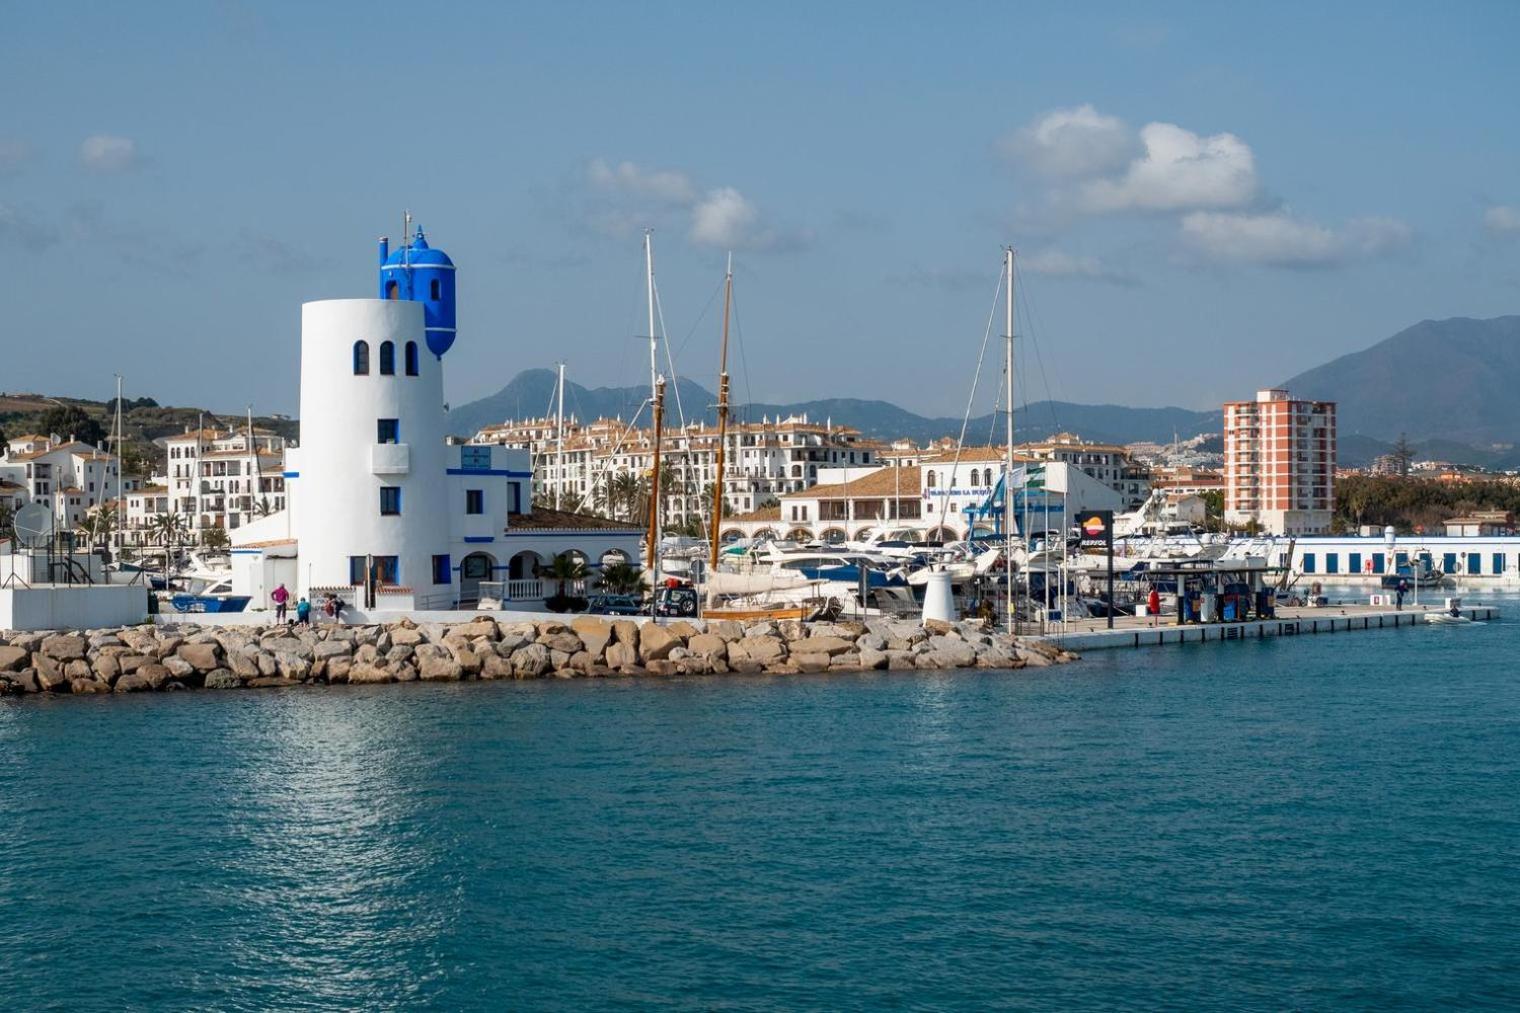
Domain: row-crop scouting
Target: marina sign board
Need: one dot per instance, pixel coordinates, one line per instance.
(1097, 527)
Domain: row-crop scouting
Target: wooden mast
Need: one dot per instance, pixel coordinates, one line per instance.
(717, 507)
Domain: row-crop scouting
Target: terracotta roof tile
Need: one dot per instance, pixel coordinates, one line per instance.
(543, 519)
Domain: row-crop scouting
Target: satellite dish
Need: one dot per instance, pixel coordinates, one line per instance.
(33, 524)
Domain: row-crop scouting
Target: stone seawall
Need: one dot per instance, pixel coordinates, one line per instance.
(174, 657)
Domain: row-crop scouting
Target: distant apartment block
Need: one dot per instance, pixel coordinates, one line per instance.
(1279, 463)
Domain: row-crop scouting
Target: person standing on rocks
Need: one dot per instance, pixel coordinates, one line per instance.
(303, 611)
(281, 599)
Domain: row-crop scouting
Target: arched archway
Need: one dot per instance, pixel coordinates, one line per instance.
(766, 533)
(612, 557)
(473, 569)
(943, 534)
(524, 565)
(730, 535)
(799, 535)
(835, 536)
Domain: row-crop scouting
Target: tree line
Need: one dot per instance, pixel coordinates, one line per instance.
(1410, 503)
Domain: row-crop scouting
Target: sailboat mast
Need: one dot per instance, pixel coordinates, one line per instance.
(121, 505)
(717, 507)
(654, 368)
(652, 552)
(1008, 465)
(559, 438)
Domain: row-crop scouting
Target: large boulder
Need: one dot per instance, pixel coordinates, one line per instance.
(531, 661)
(178, 667)
(221, 678)
(14, 659)
(406, 636)
(656, 642)
(291, 666)
(729, 629)
(622, 655)
(436, 664)
(625, 631)
(107, 668)
(759, 652)
(203, 657)
(363, 672)
(823, 645)
(156, 675)
(133, 683)
(496, 667)
(244, 662)
(871, 658)
(708, 646)
(65, 646)
(329, 649)
(50, 674)
(81, 686)
(595, 633)
(561, 640)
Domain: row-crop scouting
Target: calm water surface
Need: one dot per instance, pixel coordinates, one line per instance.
(1322, 823)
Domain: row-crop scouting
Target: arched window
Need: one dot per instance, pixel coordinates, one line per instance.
(975, 476)
(387, 359)
(411, 358)
(361, 358)
(929, 480)
(435, 290)
(391, 291)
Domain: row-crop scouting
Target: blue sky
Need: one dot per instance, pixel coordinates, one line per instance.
(1205, 198)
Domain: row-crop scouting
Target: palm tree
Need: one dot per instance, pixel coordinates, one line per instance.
(101, 525)
(215, 538)
(624, 494)
(621, 578)
(564, 568)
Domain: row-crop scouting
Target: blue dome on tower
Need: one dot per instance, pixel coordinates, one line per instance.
(419, 273)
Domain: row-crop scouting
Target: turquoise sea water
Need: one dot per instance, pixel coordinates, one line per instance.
(1328, 822)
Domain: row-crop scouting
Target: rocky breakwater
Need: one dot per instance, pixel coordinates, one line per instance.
(145, 658)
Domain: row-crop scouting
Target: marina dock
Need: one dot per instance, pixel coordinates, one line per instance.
(1152, 631)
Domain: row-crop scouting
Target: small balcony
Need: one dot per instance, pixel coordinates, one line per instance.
(390, 458)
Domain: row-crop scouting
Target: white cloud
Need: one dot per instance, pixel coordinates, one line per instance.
(722, 217)
(665, 185)
(1502, 220)
(105, 153)
(1281, 240)
(1056, 264)
(1179, 171)
(1074, 142)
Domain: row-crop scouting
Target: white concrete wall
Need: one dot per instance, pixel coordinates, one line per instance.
(72, 608)
(337, 488)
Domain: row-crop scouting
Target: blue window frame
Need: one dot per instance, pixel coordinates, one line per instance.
(356, 570)
(1498, 562)
(1355, 565)
(516, 488)
(475, 458)
(1449, 563)
(474, 501)
(1377, 562)
(388, 431)
(1475, 562)
(361, 358)
(387, 358)
(1332, 562)
(390, 500)
(411, 358)
(1308, 562)
(1400, 560)
(443, 573)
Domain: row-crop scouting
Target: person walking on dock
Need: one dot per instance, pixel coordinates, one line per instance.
(281, 599)
(1403, 589)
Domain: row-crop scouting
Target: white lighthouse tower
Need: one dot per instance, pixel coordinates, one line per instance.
(382, 507)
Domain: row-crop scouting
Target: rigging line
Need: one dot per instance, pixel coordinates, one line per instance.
(971, 400)
(749, 397)
(702, 316)
(675, 382)
(1029, 316)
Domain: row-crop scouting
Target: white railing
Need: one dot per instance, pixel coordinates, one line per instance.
(533, 588)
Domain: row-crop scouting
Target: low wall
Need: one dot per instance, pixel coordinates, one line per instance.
(78, 607)
(185, 656)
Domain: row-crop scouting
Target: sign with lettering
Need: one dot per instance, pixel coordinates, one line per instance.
(1097, 529)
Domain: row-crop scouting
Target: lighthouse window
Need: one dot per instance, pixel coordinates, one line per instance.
(411, 356)
(390, 500)
(442, 571)
(361, 358)
(387, 358)
(474, 501)
(389, 431)
(436, 296)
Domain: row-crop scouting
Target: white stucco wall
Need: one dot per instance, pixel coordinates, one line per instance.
(340, 466)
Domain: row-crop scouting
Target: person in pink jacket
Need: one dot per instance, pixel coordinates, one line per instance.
(280, 597)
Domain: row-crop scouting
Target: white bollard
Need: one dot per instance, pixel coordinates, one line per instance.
(938, 603)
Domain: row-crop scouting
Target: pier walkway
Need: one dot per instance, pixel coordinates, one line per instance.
(1151, 631)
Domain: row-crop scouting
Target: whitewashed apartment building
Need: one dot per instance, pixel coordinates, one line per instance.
(212, 478)
(764, 460)
(69, 477)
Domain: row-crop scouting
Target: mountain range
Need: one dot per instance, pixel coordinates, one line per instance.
(1448, 385)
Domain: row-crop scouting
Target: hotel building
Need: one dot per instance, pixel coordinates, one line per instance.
(1279, 465)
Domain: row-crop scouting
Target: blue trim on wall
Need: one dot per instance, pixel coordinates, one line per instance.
(489, 471)
(290, 474)
(479, 539)
(247, 552)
